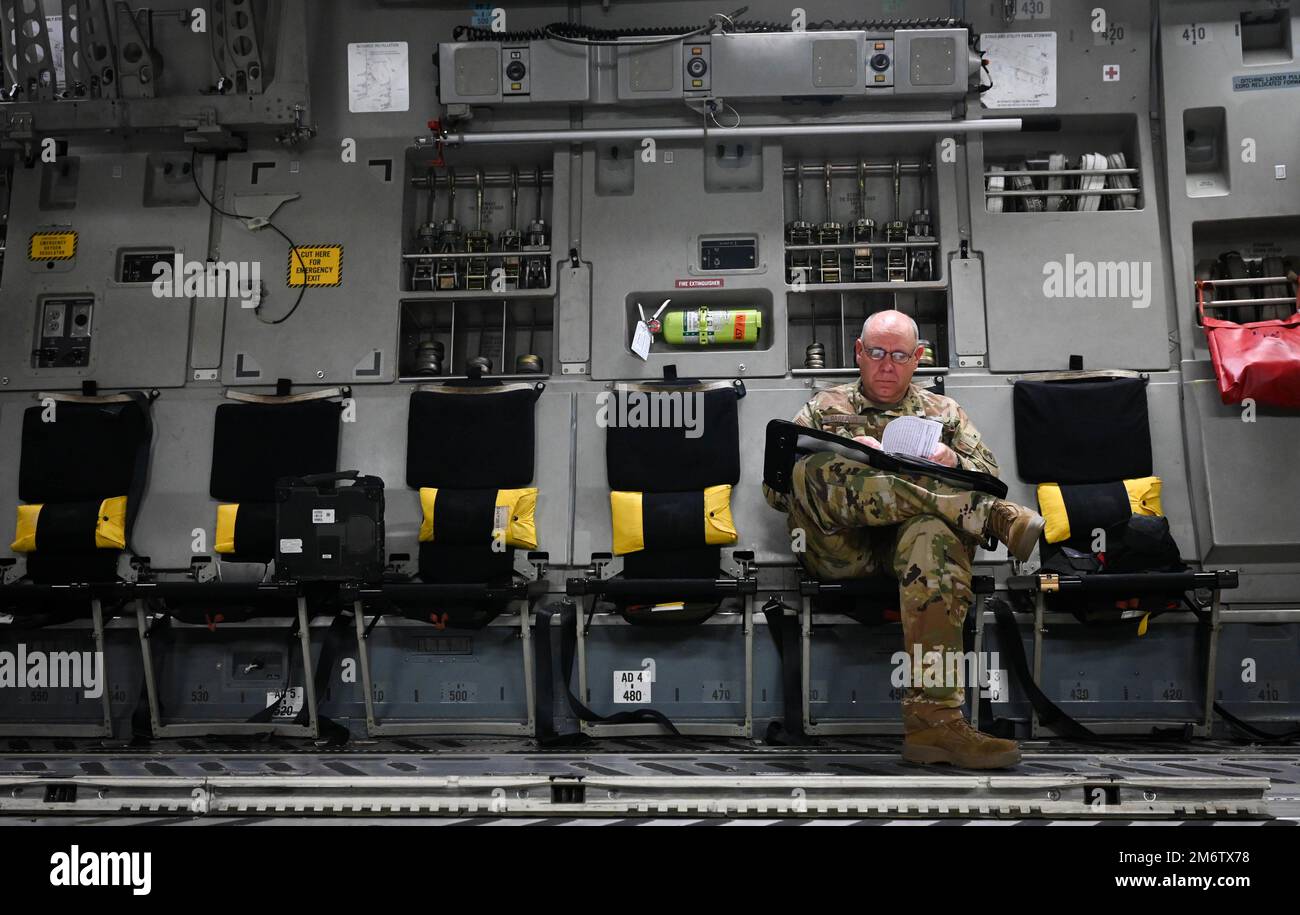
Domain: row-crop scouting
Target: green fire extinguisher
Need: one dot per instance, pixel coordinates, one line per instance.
(707, 326)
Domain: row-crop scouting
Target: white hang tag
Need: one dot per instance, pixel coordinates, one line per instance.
(641, 340)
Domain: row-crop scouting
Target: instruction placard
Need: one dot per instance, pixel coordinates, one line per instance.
(316, 265)
(378, 77)
(52, 246)
(1022, 66)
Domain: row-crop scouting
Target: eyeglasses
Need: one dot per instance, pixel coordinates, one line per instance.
(876, 353)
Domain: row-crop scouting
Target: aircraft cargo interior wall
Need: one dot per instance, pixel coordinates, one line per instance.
(543, 275)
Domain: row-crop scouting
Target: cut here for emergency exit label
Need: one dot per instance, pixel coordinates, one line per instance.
(316, 265)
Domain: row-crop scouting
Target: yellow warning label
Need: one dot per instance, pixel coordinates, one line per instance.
(320, 265)
(52, 246)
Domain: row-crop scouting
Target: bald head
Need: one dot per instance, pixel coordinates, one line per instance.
(886, 334)
(890, 322)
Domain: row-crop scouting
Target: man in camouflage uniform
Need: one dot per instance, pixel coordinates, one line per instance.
(855, 521)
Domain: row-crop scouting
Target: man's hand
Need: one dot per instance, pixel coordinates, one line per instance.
(944, 455)
(868, 440)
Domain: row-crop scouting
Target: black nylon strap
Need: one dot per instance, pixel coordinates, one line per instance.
(140, 473)
(672, 520)
(1094, 505)
(254, 532)
(785, 637)
(66, 527)
(463, 516)
(332, 732)
(568, 652)
(1049, 715)
(544, 675)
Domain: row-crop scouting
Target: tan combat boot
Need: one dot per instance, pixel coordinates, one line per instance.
(949, 738)
(1016, 526)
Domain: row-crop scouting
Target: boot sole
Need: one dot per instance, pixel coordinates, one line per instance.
(1023, 548)
(933, 755)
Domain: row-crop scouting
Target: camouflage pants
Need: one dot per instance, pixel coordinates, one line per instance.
(858, 522)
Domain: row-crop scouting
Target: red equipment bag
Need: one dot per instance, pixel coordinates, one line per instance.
(1259, 360)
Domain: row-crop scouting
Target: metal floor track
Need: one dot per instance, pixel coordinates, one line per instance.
(486, 780)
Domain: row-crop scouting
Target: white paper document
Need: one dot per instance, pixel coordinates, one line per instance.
(914, 436)
(379, 77)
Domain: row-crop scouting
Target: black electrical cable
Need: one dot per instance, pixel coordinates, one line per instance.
(194, 176)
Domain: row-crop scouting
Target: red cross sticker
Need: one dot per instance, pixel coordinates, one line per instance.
(1110, 73)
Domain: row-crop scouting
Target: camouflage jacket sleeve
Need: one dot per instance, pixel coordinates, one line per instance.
(972, 453)
(809, 415)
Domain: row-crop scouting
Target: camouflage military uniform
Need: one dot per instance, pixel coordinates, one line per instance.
(857, 522)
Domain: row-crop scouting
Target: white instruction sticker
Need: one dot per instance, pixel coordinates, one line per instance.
(322, 516)
(379, 77)
(290, 546)
(1022, 66)
(501, 517)
(54, 29)
(631, 687)
(285, 707)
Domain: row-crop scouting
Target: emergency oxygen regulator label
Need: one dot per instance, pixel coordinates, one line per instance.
(322, 516)
(52, 246)
(321, 265)
(631, 687)
(290, 546)
(285, 706)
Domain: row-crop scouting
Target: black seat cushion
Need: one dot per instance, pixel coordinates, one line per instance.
(1086, 431)
(672, 457)
(449, 445)
(255, 444)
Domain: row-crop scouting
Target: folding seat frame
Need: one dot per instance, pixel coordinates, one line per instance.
(1039, 586)
(596, 587)
(520, 595)
(886, 589)
(92, 594)
(271, 601)
(43, 596)
(784, 441)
